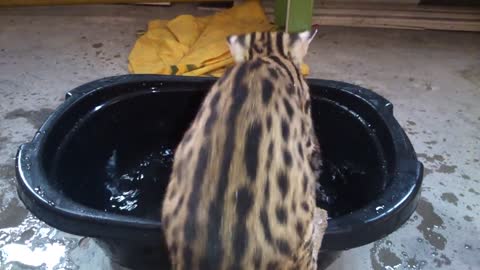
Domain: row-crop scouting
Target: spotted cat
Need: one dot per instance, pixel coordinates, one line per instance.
(242, 190)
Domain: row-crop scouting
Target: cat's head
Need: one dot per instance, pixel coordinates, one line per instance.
(293, 46)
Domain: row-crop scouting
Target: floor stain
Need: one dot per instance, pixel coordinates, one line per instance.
(449, 197)
(433, 158)
(26, 235)
(83, 242)
(34, 117)
(443, 260)
(430, 222)
(382, 257)
(13, 214)
(373, 256)
(449, 169)
(464, 176)
(428, 86)
(7, 172)
(388, 258)
(426, 171)
(413, 263)
(468, 218)
(97, 45)
(471, 74)
(325, 259)
(437, 161)
(473, 191)
(3, 141)
(411, 132)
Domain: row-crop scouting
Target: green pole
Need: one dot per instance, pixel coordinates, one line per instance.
(294, 15)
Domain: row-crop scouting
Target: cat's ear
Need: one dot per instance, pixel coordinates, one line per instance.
(236, 43)
(299, 43)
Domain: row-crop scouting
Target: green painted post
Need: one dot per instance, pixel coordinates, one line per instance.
(280, 11)
(294, 15)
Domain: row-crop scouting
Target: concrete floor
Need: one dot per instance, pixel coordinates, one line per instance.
(432, 78)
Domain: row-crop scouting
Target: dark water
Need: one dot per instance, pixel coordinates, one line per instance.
(119, 158)
(124, 183)
(354, 166)
(333, 188)
(135, 188)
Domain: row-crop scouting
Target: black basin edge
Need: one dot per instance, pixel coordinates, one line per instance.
(69, 221)
(409, 171)
(60, 215)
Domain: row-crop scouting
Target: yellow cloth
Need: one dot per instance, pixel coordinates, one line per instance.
(195, 46)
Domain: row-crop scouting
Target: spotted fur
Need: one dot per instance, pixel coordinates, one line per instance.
(242, 191)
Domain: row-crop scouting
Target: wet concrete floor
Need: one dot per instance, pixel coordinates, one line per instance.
(432, 78)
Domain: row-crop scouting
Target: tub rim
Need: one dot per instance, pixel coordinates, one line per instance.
(358, 228)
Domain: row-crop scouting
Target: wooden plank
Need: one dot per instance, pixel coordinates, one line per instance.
(393, 7)
(78, 2)
(387, 10)
(397, 16)
(155, 4)
(402, 2)
(403, 23)
(215, 6)
(451, 2)
(371, 1)
(392, 14)
(402, 7)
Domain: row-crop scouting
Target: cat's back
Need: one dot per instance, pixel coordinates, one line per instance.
(240, 194)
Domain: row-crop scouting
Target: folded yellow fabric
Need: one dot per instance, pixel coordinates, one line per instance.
(195, 46)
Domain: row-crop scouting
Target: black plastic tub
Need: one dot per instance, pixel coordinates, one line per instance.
(99, 165)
